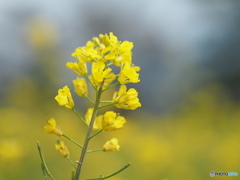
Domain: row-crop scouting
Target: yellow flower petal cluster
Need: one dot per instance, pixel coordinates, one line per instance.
(103, 48)
(80, 86)
(62, 149)
(99, 72)
(111, 145)
(52, 128)
(111, 121)
(64, 98)
(126, 99)
(80, 68)
(129, 74)
(108, 122)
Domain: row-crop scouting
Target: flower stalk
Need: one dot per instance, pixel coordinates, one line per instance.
(88, 135)
(102, 53)
(44, 165)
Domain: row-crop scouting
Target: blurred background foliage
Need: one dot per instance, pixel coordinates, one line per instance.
(188, 124)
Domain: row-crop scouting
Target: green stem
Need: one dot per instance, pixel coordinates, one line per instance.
(94, 87)
(43, 161)
(107, 105)
(71, 162)
(95, 150)
(79, 145)
(73, 174)
(110, 86)
(89, 99)
(84, 149)
(95, 134)
(107, 101)
(111, 175)
(80, 117)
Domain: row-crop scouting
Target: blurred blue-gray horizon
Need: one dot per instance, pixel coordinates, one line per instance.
(181, 46)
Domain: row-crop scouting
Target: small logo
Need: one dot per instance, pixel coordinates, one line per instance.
(212, 173)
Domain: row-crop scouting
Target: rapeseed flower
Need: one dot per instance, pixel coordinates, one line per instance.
(126, 99)
(64, 98)
(111, 145)
(80, 86)
(99, 54)
(99, 72)
(52, 128)
(105, 48)
(129, 74)
(111, 121)
(62, 149)
(79, 67)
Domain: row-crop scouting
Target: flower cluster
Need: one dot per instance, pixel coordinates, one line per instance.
(94, 67)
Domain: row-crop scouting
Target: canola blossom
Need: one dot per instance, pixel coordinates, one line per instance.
(52, 128)
(126, 99)
(62, 149)
(111, 121)
(103, 63)
(111, 145)
(80, 86)
(64, 98)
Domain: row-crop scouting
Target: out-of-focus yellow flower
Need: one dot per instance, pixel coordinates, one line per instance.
(12, 149)
(111, 145)
(80, 86)
(64, 98)
(129, 74)
(79, 67)
(112, 122)
(97, 122)
(99, 72)
(52, 128)
(126, 99)
(62, 149)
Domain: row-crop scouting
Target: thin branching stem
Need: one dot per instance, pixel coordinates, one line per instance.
(106, 105)
(95, 134)
(110, 86)
(71, 162)
(107, 101)
(91, 101)
(80, 117)
(75, 142)
(94, 87)
(111, 175)
(44, 165)
(95, 150)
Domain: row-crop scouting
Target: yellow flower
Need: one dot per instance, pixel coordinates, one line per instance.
(64, 98)
(111, 145)
(62, 149)
(126, 99)
(128, 74)
(87, 53)
(52, 128)
(112, 122)
(97, 122)
(79, 67)
(80, 86)
(99, 72)
(109, 78)
(103, 48)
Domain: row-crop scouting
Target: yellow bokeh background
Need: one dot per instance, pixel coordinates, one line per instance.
(202, 136)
